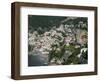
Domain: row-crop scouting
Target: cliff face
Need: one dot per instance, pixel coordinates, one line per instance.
(63, 42)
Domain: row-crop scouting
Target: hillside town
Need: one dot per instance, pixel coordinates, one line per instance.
(61, 43)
